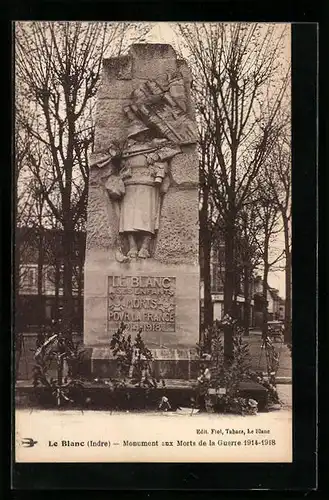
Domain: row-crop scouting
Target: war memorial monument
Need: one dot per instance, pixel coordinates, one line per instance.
(142, 251)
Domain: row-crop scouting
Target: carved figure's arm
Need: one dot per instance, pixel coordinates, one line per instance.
(99, 161)
(168, 152)
(125, 171)
(161, 169)
(115, 187)
(165, 185)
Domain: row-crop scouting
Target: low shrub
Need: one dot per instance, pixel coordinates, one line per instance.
(218, 388)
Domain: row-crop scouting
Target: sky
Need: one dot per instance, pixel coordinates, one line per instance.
(163, 32)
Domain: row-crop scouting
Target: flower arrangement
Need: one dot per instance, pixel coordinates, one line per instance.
(57, 349)
(133, 359)
(218, 385)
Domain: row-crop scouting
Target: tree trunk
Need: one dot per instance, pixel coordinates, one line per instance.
(67, 280)
(18, 328)
(68, 229)
(265, 309)
(208, 311)
(40, 262)
(40, 277)
(56, 289)
(206, 251)
(287, 309)
(80, 298)
(247, 302)
(229, 286)
(288, 302)
(18, 264)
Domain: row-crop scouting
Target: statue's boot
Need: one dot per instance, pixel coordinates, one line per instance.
(120, 257)
(132, 254)
(143, 253)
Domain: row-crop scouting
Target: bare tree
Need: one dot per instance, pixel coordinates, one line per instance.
(58, 67)
(269, 221)
(206, 222)
(24, 203)
(248, 255)
(240, 87)
(32, 220)
(279, 178)
(23, 216)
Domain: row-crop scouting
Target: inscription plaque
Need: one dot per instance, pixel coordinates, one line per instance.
(146, 302)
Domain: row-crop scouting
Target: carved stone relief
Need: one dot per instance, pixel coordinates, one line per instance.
(136, 172)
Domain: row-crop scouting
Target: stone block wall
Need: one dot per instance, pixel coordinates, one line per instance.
(176, 249)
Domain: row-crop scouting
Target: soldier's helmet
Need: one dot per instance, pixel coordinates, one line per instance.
(135, 128)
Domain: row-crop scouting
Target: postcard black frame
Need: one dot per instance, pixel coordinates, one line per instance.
(301, 474)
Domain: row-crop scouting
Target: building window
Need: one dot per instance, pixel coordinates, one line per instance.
(51, 275)
(28, 277)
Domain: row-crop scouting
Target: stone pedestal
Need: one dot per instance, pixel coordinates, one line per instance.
(159, 294)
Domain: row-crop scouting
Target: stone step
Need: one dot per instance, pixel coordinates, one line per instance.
(168, 363)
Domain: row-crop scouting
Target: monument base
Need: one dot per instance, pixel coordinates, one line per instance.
(101, 397)
(116, 293)
(167, 363)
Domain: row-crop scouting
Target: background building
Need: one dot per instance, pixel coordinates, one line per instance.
(275, 304)
(39, 274)
(39, 279)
